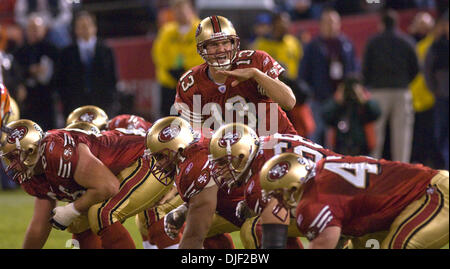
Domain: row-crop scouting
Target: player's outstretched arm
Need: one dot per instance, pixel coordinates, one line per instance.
(327, 239)
(199, 218)
(275, 89)
(39, 228)
(91, 173)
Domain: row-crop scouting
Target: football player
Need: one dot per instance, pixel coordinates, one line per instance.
(182, 152)
(405, 206)
(236, 82)
(99, 118)
(61, 166)
(237, 155)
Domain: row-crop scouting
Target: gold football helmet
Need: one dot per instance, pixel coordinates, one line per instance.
(232, 149)
(21, 149)
(283, 177)
(213, 29)
(166, 141)
(85, 126)
(92, 114)
(15, 111)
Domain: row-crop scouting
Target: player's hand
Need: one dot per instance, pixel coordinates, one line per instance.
(243, 211)
(239, 74)
(62, 216)
(174, 220)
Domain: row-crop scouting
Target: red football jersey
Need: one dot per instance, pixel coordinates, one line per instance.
(116, 149)
(359, 194)
(130, 122)
(193, 175)
(275, 145)
(196, 93)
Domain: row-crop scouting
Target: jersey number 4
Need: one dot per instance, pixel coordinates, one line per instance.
(354, 173)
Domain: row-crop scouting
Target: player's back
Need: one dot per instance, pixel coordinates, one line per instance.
(365, 194)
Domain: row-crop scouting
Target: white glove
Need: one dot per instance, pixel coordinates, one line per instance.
(63, 216)
(243, 211)
(174, 220)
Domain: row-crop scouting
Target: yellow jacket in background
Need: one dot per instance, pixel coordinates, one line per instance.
(288, 52)
(423, 98)
(174, 50)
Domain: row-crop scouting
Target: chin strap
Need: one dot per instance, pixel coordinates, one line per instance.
(274, 236)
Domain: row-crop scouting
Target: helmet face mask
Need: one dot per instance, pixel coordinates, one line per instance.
(21, 148)
(212, 33)
(219, 59)
(232, 150)
(283, 177)
(165, 142)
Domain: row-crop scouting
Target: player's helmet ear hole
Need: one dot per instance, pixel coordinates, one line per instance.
(241, 156)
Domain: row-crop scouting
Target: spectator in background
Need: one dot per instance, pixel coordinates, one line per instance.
(436, 74)
(390, 64)
(288, 51)
(87, 73)
(174, 51)
(327, 59)
(262, 26)
(351, 114)
(57, 14)
(37, 59)
(424, 149)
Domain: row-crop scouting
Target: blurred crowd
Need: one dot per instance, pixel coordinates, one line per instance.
(392, 102)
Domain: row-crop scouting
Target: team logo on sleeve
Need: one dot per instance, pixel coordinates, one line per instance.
(169, 133)
(204, 177)
(88, 117)
(231, 137)
(17, 133)
(67, 153)
(278, 171)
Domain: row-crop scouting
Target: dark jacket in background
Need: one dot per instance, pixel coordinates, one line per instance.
(39, 103)
(436, 68)
(79, 85)
(314, 66)
(390, 61)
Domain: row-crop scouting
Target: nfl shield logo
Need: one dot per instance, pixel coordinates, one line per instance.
(222, 88)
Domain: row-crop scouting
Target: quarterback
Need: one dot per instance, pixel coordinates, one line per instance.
(233, 85)
(403, 206)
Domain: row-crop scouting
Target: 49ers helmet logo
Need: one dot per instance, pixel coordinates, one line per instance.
(88, 117)
(169, 133)
(232, 137)
(17, 133)
(278, 171)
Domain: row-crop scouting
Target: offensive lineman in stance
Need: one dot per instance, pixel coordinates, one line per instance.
(62, 165)
(403, 206)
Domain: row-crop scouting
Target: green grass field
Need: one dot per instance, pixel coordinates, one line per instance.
(16, 210)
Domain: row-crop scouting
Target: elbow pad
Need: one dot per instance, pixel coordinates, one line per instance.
(274, 236)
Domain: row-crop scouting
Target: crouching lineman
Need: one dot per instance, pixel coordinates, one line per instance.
(403, 206)
(61, 166)
(237, 155)
(146, 220)
(182, 153)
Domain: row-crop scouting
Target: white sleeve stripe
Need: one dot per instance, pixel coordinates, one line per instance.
(69, 166)
(319, 216)
(60, 166)
(64, 171)
(186, 111)
(65, 140)
(325, 224)
(195, 118)
(190, 114)
(323, 219)
(256, 206)
(190, 188)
